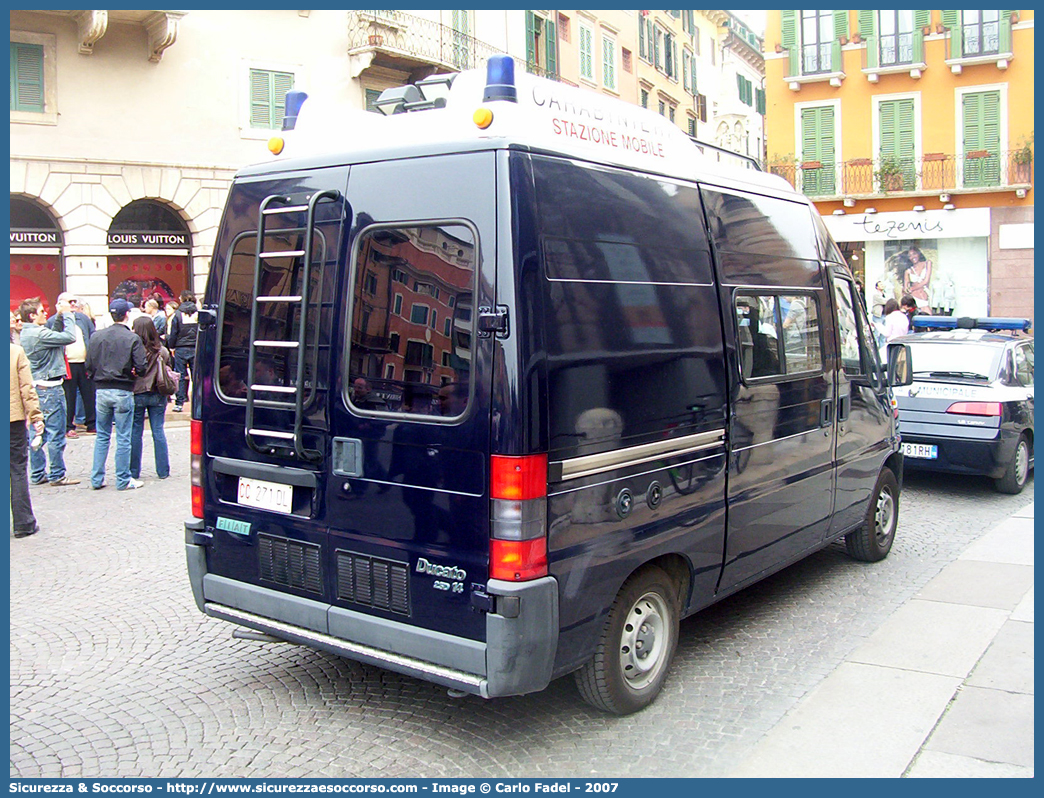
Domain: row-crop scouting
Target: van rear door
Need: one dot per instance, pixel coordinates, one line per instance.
(406, 485)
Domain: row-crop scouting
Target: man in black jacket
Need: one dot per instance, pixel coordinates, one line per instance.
(75, 354)
(181, 340)
(115, 356)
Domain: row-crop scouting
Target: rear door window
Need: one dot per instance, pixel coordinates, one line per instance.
(779, 334)
(407, 279)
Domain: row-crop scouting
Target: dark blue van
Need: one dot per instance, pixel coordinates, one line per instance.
(500, 388)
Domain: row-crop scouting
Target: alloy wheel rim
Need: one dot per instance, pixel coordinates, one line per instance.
(1021, 463)
(885, 516)
(645, 639)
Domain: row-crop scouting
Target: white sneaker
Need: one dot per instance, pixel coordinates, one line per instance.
(134, 484)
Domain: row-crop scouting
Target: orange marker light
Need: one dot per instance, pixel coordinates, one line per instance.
(483, 118)
(276, 144)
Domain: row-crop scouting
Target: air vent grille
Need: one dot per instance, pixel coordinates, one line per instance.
(290, 563)
(373, 582)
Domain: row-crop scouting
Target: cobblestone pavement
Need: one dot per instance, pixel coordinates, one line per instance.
(114, 672)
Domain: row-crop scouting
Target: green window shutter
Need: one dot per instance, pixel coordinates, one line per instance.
(840, 24)
(897, 138)
(817, 144)
(761, 101)
(282, 82)
(922, 19)
(531, 22)
(685, 70)
(657, 36)
(551, 47)
(260, 98)
(27, 81)
(867, 23)
(981, 120)
(1005, 31)
(641, 38)
(868, 30)
(952, 20)
(739, 85)
(789, 39)
(586, 53)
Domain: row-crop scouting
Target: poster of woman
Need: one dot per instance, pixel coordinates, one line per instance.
(911, 268)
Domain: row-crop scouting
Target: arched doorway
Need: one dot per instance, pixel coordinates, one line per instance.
(36, 254)
(149, 249)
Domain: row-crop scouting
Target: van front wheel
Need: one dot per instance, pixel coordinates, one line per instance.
(636, 647)
(873, 540)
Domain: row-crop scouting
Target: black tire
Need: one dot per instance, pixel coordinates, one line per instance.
(636, 646)
(1014, 479)
(873, 540)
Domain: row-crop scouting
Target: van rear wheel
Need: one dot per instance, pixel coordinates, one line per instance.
(636, 647)
(873, 540)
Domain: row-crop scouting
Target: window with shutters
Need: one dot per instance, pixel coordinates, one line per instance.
(894, 41)
(817, 29)
(896, 37)
(460, 23)
(897, 135)
(586, 53)
(33, 78)
(981, 138)
(268, 98)
(691, 128)
(541, 46)
(979, 36)
(687, 71)
(812, 42)
(818, 150)
(759, 101)
(609, 63)
(980, 31)
(644, 95)
(701, 107)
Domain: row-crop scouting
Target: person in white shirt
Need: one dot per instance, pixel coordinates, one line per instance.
(896, 322)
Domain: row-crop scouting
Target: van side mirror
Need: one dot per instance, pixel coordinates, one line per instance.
(900, 365)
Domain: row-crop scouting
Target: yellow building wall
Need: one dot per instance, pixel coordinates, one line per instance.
(939, 101)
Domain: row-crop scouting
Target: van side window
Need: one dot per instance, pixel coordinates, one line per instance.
(778, 334)
(604, 225)
(421, 273)
(848, 329)
(754, 224)
(276, 321)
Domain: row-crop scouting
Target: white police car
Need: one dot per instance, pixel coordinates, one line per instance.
(969, 409)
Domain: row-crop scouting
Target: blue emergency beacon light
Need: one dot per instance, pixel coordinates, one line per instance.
(294, 100)
(500, 79)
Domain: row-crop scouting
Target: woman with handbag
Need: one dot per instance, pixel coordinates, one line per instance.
(152, 391)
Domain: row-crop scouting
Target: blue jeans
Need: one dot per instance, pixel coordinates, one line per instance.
(156, 406)
(52, 405)
(184, 363)
(114, 406)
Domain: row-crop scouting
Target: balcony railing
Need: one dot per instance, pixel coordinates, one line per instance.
(415, 41)
(933, 173)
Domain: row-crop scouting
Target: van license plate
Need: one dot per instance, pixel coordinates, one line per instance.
(925, 451)
(265, 495)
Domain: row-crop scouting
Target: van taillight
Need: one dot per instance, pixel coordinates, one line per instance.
(975, 408)
(518, 544)
(196, 467)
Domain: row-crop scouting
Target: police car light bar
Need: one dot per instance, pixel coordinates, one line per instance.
(970, 323)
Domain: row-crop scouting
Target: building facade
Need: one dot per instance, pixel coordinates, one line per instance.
(913, 133)
(128, 201)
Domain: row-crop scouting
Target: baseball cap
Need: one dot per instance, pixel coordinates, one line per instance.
(120, 305)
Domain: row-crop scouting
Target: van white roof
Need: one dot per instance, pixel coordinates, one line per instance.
(548, 116)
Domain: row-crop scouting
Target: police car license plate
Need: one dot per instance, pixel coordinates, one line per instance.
(265, 495)
(925, 451)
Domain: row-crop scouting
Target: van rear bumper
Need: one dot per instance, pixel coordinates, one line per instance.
(516, 658)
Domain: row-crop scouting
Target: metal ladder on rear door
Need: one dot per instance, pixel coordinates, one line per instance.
(268, 440)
